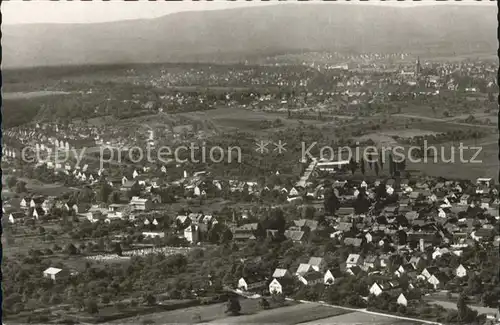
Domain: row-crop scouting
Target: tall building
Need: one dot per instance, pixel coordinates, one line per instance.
(418, 67)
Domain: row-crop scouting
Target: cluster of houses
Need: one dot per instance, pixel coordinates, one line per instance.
(427, 222)
(316, 271)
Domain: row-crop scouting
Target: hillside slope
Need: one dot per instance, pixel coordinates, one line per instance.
(236, 34)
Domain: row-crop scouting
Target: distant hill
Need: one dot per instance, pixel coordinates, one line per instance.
(237, 34)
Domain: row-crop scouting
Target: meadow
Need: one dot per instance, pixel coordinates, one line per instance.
(251, 312)
(360, 318)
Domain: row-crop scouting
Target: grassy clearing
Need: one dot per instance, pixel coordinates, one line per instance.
(360, 319)
(487, 167)
(202, 314)
(287, 315)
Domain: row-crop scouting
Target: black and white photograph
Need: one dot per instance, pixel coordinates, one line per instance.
(250, 162)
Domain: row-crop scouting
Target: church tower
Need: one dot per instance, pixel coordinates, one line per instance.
(418, 68)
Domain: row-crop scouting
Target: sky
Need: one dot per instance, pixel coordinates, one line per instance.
(44, 11)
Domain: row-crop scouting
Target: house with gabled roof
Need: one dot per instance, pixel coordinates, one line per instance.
(250, 284)
(295, 235)
(438, 280)
(16, 217)
(377, 288)
(303, 268)
(461, 271)
(25, 203)
(37, 212)
(331, 276)
(402, 300)
(275, 287)
(140, 204)
(54, 273)
(312, 224)
(281, 273)
(317, 263)
(356, 242)
(191, 233)
(311, 278)
(404, 268)
(354, 260)
(428, 272)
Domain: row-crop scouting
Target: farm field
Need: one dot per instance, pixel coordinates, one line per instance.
(360, 318)
(202, 314)
(487, 165)
(241, 119)
(297, 314)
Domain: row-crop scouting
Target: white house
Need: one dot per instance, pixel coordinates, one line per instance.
(25, 203)
(293, 192)
(54, 273)
(376, 289)
(328, 278)
(33, 203)
(245, 286)
(461, 271)
(402, 300)
(16, 217)
(275, 287)
(484, 181)
(140, 204)
(191, 234)
(427, 273)
(437, 280)
(38, 212)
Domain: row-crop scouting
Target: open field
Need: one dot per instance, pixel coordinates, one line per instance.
(409, 133)
(484, 165)
(36, 187)
(241, 119)
(22, 245)
(360, 318)
(297, 314)
(204, 314)
(32, 94)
